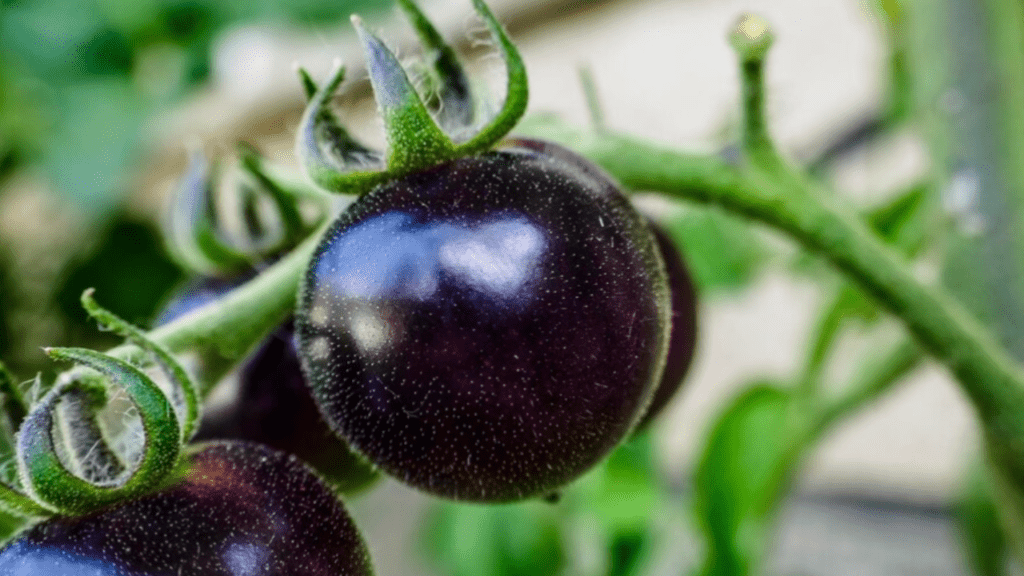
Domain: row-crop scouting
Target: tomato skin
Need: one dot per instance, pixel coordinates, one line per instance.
(272, 404)
(683, 338)
(487, 329)
(238, 509)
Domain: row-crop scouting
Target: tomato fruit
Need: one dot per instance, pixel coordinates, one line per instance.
(272, 404)
(238, 509)
(683, 337)
(489, 328)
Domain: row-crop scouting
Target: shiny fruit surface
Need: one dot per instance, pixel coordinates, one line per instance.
(683, 336)
(487, 329)
(274, 407)
(238, 509)
(272, 404)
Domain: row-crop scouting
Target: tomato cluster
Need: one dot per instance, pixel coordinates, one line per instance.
(486, 322)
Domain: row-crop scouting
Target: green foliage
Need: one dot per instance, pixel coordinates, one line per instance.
(623, 502)
(128, 266)
(503, 540)
(737, 479)
(721, 251)
(78, 84)
(9, 524)
(614, 512)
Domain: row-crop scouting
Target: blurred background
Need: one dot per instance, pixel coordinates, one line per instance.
(98, 99)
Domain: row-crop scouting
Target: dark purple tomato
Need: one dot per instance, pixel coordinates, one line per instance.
(196, 294)
(683, 338)
(239, 509)
(487, 329)
(272, 405)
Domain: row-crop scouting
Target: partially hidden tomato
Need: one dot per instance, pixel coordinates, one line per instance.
(237, 509)
(272, 404)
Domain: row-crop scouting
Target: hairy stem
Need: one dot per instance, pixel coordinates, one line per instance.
(224, 332)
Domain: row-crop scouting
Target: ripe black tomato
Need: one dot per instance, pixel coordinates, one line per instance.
(272, 404)
(683, 336)
(487, 329)
(238, 509)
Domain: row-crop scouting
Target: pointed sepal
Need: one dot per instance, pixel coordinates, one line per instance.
(194, 237)
(12, 399)
(285, 197)
(414, 139)
(454, 106)
(331, 157)
(45, 477)
(184, 391)
(516, 92)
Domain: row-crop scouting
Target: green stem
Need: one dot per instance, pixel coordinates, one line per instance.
(826, 332)
(751, 39)
(992, 380)
(223, 333)
(879, 377)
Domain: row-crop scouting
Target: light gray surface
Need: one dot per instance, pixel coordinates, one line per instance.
(860, 538)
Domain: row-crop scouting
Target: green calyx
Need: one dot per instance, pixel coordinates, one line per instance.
(65, 459)
(46, 478)
(422, 130)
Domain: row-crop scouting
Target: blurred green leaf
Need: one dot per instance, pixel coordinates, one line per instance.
(977, 517)
(9, 524)
(625, 490)
(736, 481)
(498, 540)
(907, 220)
(87, 158)
(626, 500)
(722, 252)
(84, 125)
(128, 267)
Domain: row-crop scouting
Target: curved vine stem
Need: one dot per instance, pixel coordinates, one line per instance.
(224, 332)
(993, 381)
